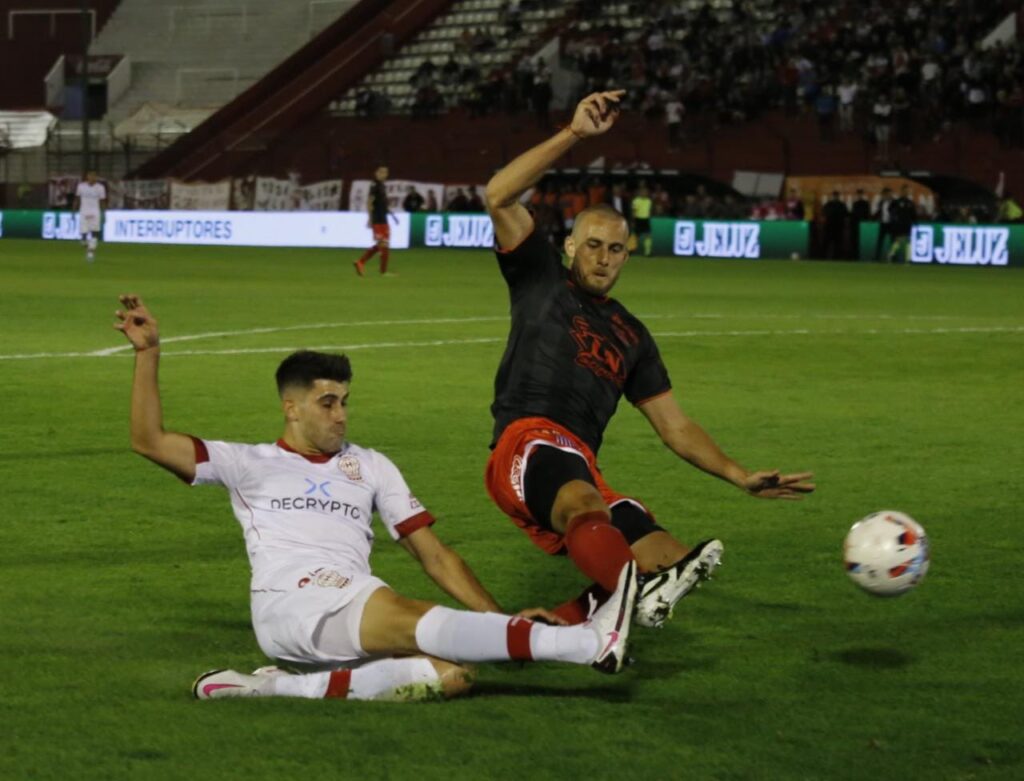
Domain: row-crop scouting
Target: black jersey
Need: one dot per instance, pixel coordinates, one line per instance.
(570, 355)
(379, 203)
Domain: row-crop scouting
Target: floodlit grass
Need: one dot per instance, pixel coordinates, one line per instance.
(900, 387)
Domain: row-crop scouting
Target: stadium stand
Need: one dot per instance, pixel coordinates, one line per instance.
(754, 79)
(202, 53)
(34, 35)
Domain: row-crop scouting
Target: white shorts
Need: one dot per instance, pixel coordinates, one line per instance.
(89, 223)
(287, 618)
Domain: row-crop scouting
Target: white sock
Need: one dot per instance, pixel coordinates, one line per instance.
(395, 679)
(462, 636)
(92, 243)
(578, 644)
(387, 679)
(311, 686)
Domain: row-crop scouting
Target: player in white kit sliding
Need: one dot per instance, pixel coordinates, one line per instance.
(305, 504)
(90, 196)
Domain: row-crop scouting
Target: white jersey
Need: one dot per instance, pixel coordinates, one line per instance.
(89, 197)
(301, 511)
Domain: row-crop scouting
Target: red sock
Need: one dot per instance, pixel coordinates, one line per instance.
(597, 548)
(383, 260)
(368, 254)
(576, 611)
(518, 638)
(338, 684)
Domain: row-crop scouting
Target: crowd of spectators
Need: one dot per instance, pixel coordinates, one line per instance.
(898, 72)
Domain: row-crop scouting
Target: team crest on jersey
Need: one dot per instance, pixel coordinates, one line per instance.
(597, 353)
(516, 475)
(326, 578)
(349, 465)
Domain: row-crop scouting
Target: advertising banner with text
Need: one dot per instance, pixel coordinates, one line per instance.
(950, 244)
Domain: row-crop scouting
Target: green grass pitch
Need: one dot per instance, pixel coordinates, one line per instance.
(901, 387)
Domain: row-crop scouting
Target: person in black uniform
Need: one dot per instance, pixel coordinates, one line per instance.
(377, 206)
(572, 353)
(884, 216)
(860, 212)
(834, 213)
(904, 214)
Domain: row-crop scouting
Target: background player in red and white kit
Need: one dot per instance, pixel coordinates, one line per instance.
(305, 504)
(377, 208)
(90, 196)
(572, 353)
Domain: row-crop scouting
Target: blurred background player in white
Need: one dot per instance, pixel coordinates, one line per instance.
(305, 504)
(90, 197)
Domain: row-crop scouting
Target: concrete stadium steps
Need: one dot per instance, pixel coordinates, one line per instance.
(202, 53)
(439, 40)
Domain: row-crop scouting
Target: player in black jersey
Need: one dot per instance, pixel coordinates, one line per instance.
(572, 353)
(377, 206)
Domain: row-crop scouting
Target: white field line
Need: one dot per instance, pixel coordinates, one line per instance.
(493, 340)
(126, 348)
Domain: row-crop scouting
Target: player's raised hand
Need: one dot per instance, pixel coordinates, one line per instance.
(136, 323)
(772, 485)
(596, 113)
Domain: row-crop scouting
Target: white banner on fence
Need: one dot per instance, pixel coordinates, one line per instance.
(274, 195)
(432, 192)
(138, 194)
(249, 229)
(322, 196)
(200, 196)
(62, 191)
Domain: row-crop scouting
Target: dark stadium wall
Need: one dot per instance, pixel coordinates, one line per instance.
(457, 148)
(31, 45)
(295, 92)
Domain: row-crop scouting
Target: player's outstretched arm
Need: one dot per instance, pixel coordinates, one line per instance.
(174, 452)
(594, 115)
(689, 441)
(448, 570)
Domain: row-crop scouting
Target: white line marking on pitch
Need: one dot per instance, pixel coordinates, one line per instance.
(492, 340)
(126, 348)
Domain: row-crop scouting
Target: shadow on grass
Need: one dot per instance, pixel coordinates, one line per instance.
(874, 658)
(609, 693)
(656, 669)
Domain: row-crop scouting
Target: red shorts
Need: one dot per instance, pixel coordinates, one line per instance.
(381, 231)
(506, 474)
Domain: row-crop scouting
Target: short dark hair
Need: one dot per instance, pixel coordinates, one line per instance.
(305, 367)
(602, 210)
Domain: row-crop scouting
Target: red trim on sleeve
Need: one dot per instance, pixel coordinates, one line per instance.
(202, 454)
(502, 251)
(518, 638)
(411, 524)
(317, 458)
(652, 398)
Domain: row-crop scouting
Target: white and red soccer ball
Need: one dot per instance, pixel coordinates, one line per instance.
(886, 553)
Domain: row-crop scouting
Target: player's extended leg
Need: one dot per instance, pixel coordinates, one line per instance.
(672, 568)
(394, 680)
(393, 624)
(561, 495)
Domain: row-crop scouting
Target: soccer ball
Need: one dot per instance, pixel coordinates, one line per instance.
(886, 553)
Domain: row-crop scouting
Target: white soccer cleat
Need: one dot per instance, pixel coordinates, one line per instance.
(611, 622)
(660, 591)
(218, 684)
